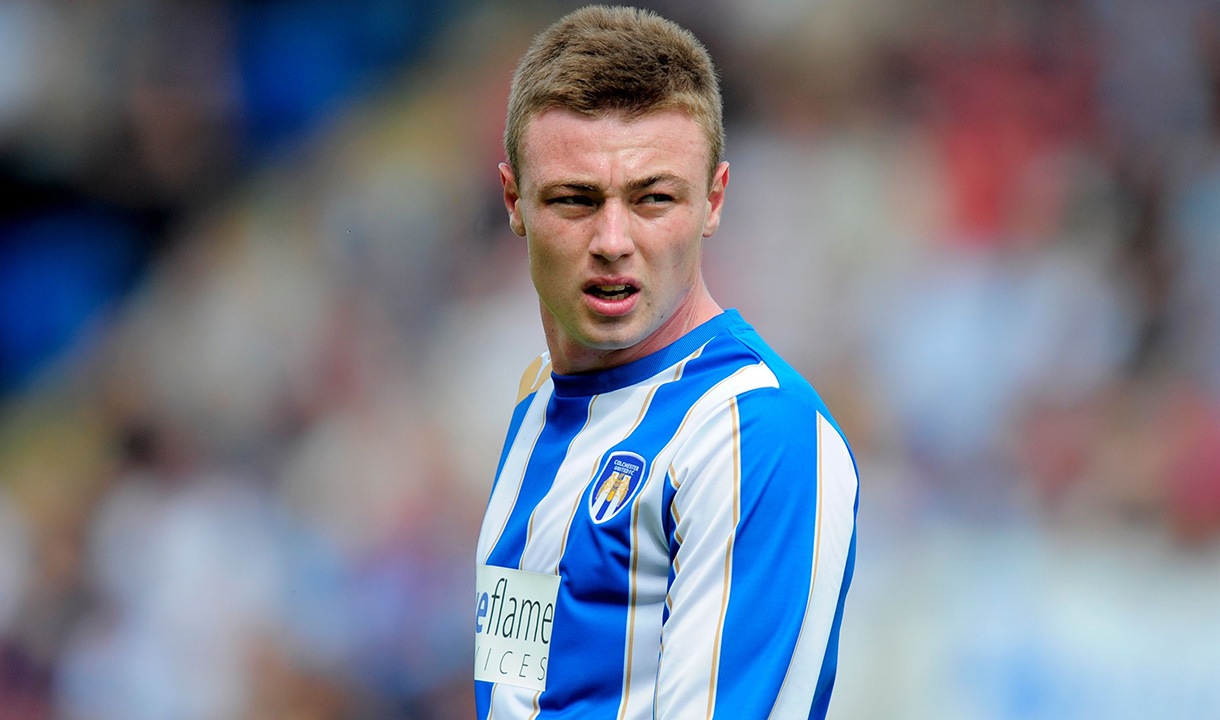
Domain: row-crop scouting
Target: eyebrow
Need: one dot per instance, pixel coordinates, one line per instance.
(632, 186)
(654, 179)
(567, 185)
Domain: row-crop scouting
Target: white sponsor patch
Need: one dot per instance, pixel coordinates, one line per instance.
(514, 617)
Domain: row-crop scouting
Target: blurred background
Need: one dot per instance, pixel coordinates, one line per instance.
(262, 320)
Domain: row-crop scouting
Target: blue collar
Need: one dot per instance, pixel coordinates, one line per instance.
(621, 376)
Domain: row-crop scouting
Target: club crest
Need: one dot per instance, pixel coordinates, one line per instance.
(616, 484)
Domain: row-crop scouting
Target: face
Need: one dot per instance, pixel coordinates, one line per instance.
(614, 212)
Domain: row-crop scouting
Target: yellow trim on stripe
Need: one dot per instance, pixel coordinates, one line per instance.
(643, 409)
(533, 377)
(517, 495)
(817, 543)
(635, 534)
(728, 556)
(563, 546)
(673, 481)
(529, 532)
(635, 556)
(635, 565)
(673, 511)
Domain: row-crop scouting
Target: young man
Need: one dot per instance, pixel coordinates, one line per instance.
(671, 532)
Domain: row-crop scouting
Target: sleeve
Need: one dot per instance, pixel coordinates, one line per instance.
(762, 545)
(532, 379)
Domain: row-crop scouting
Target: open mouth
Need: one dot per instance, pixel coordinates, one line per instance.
(612, 293)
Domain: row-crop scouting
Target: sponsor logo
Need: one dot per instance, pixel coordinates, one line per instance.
(513, 618)
(615, 485)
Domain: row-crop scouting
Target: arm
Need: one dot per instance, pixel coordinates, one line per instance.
(762, 538)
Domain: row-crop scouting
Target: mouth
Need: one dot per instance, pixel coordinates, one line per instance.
(612, 293)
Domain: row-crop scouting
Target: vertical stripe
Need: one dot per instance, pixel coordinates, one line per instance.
(530, 529)
(550, 461)
(701, 544)
(553, 514)
(771, 581)
(551, 450)
(813, 579)
(484, 693)
(837, 489)
(830, 660)
(500, 506)
(728, 556)
(669, 507)
(634, 581)
(656, 695)
(653, 559)
(701, 403)
(510, 440)
(597, 464)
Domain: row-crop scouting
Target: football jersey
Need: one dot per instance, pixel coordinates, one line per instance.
(690, 521)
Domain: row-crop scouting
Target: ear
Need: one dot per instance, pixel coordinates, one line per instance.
(512, 199)
(715, 199)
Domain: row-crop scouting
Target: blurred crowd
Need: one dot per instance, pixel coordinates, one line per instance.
(262, 318)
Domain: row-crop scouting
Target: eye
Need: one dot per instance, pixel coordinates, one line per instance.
(654, 198)
(580, 200)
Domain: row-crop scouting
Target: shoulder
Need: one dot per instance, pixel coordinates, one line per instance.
(764, 397)
(535, 374)
(792, 399)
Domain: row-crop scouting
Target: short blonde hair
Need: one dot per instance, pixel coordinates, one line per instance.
(615, 59)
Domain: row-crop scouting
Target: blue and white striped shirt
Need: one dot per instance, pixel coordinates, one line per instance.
(699, 506)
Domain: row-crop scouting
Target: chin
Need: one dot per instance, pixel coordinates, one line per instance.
(608, 344)
(601, 339)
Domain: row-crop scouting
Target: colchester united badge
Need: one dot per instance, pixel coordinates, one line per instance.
(616, 484)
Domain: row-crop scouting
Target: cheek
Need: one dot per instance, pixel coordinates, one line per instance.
(546, 265)
(683, 256)
(536, 262)
(554, 244)
(539, 253)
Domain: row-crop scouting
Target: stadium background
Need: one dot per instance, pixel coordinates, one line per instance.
(261, 322)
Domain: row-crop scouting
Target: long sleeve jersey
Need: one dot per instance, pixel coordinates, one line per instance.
(670, 538)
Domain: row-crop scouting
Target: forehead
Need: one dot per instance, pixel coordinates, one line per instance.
(559, 142)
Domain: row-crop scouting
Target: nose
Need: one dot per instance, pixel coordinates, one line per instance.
(612, 232)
